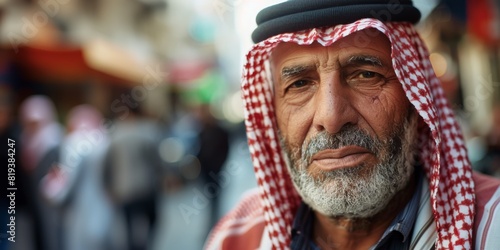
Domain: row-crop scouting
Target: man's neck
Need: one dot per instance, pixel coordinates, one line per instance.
(358, 233)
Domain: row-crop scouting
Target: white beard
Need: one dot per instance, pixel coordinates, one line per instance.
(361, 191)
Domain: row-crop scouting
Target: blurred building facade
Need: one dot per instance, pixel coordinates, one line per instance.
(87, 51)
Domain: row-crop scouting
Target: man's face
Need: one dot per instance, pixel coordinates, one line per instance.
(344, 122)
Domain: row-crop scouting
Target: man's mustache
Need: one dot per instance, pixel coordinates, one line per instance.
(348, 136)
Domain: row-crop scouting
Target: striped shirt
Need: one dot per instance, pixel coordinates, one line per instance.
(396, 236)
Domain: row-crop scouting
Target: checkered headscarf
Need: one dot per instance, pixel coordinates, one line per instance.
(441, 146)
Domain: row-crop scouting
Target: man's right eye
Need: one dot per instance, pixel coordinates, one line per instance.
(299, 84)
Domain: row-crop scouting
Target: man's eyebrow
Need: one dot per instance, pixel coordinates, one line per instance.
(295, 70)
(364, 60)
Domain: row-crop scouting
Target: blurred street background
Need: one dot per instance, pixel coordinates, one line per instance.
(127, 120)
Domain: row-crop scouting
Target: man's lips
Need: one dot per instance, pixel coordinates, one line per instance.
(349, 156)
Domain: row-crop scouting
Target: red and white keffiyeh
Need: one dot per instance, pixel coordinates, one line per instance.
(441, 146)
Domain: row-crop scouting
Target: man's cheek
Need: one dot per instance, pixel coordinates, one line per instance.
(280, 115)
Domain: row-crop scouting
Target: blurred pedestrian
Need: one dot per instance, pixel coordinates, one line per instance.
(40, 137)
(214, 148)
(133, 173)
(75, 183)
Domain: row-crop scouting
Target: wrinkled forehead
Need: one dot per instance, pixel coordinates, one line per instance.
(363, 41)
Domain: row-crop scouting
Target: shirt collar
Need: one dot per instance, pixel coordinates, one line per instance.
(405, 220)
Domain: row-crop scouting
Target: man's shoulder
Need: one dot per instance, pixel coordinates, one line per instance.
(487, 211)
(242, 227)
(485, 188)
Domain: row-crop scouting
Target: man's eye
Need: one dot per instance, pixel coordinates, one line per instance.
(299, 84)
(367, 74)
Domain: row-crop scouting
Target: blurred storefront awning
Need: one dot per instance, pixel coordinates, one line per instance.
(95, 61)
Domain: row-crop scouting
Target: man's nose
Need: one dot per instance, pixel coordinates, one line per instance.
(334, 106)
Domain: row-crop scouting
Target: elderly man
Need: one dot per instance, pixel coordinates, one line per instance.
(353, 142)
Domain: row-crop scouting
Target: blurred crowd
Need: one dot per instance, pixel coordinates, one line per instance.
(83, 184)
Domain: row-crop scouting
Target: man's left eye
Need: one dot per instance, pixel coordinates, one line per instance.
(367, 74)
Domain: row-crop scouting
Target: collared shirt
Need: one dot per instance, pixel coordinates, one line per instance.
(396, 236)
